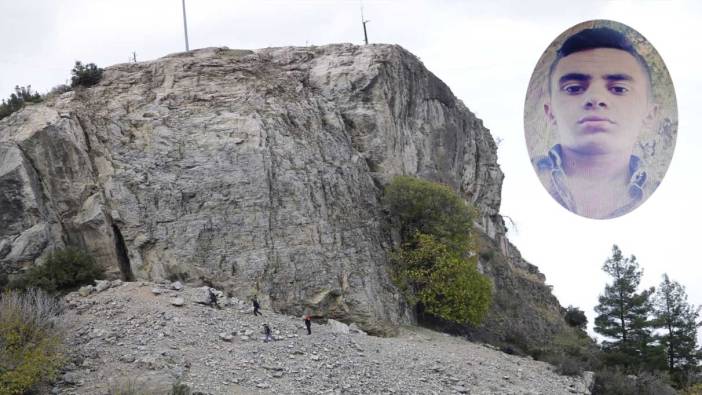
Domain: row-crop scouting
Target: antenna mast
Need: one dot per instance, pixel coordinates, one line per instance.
(365, 33)
(185, 27)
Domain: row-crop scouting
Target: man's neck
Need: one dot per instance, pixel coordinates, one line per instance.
(598, 183)
(596, 168)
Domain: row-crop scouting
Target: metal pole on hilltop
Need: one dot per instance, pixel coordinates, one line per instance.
(365, 33)
(185, 27)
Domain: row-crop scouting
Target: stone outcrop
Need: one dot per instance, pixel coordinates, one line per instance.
(256, 172)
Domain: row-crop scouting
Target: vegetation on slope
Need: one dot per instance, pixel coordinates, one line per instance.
(435, 266)
(30, 340)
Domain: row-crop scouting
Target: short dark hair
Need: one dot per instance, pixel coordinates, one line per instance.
(599, 37)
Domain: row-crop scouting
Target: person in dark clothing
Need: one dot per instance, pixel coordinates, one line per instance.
(267, 333)
(256, 307)
(212, 299)
(308, 323)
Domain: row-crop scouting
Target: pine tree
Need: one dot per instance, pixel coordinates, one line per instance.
(678, 320)
(624, 315)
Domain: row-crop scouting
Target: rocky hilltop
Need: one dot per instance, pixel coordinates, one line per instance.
(259, 172)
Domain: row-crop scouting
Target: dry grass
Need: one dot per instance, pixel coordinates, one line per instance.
(31, 330)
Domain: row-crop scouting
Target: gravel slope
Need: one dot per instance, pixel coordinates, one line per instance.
(130, 335)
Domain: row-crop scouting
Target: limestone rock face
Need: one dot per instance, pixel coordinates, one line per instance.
(258, 172)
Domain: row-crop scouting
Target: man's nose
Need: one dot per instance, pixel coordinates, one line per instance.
(595, 102)
(595, 98)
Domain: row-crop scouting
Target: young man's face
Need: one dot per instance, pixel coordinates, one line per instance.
(599, 101)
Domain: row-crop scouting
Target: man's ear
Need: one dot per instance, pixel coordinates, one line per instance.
(549, 114)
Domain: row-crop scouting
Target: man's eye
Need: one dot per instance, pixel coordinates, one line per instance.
(619, 90)
(573, 89)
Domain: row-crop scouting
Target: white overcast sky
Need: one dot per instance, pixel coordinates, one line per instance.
(484, 50)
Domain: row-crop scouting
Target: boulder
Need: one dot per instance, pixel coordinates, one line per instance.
(177, 301)
(101, 285)
(338, 327)
(203, 295)
(86, 290)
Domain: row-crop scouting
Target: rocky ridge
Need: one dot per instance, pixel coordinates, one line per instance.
(135, 332)
(258, 172)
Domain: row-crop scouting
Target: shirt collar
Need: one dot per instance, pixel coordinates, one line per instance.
(553, 163)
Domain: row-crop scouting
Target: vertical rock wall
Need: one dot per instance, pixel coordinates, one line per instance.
(257, 171)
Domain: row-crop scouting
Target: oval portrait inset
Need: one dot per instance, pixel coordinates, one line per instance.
(600, 119)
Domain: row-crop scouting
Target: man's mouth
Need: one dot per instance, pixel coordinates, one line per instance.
(593, 119)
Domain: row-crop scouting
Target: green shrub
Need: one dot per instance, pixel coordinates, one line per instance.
(695, 389)
(64, 270)
(565, 365)
(18, 99)
(516, 343)
(576, 318)
(654, 383)
(85, 75)
(612, 381)
(431, 209)
(180, 389)
(435, 267)
(572, 352)
(441, 282)
(30, 340)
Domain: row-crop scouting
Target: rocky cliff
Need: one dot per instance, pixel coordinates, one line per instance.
(256, 172)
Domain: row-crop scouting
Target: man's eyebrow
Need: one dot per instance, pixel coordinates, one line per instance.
(618, 77)
(574, 77)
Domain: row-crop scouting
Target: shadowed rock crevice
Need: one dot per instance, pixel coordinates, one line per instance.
(125, 267)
